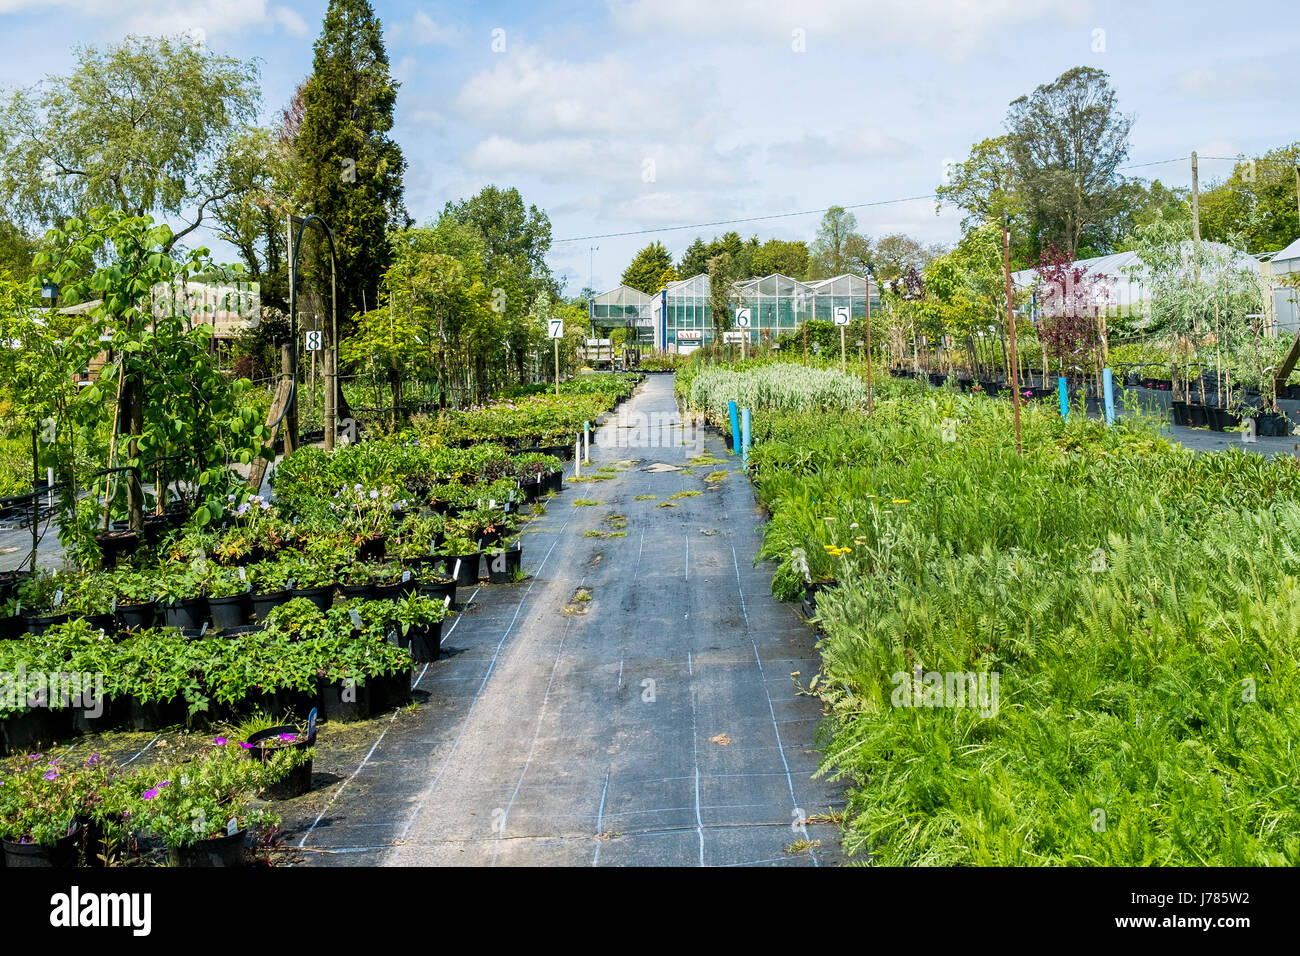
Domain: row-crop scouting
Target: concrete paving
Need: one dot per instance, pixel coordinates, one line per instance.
(656, 723)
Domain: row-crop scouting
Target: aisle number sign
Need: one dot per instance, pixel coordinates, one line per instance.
(555, 328)
(841, 315)
(742, 318)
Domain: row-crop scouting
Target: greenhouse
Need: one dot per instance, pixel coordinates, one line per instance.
(679, 316)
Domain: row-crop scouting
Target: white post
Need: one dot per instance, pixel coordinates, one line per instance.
(577, 458)
(586, 442)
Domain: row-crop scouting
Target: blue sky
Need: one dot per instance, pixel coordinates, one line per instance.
(637, 114)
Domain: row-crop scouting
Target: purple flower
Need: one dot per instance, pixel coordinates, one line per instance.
(164, 784)
(149, 794)
(288, 736)
(94, 760)
(246, 745)
(35, 756)
(51, 775)
(220, 741)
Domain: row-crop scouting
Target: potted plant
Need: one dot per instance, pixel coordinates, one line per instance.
(461, 557)
(298, 619)
(137, 601)
(316, 581)
(418, 621)
(503, 562)
(227, 599)
(266, 744)
(39, 806)
(270, 586)
(358, 582)
(40, 596)
(392, 581)
(181, 591)
(202, 810)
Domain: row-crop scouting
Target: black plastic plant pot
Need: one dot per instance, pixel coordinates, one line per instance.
(426, 643)
(437, 590)
(389, 691)
(357, 592)
(137, 617)
(154, 714)
(1196, 415)
(264, 604)
(102, 622)
(116, 545)
(322, 597)
(61, 854)
(373, 549)
(266, 743)
(391, 592)
(86, 721)
(532, 490)
(40, 623)
(191, 612)
(555, 482)
(226, 851)
(503, 566)
(28, 732)
(464, 568)
(228, 612)
(343, 700)
(12, 628)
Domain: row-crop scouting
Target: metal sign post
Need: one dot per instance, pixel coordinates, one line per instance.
(842, 320)
(555, 328)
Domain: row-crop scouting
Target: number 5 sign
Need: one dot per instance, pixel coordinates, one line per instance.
(841, 315)
(555, 328)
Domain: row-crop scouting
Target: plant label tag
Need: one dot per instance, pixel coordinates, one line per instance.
(295, 520)
(406, 576)
(392, 638)
(311, 724)
(232, 826)
(243, 574)
(58, 597)
(446, 600)
(356, 618)
(113, 608)
(204, 629)
(455, 572)
(432, 549)
(492, 503)
(288, 585)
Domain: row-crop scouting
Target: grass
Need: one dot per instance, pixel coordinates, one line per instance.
(593, 533)
(692, 493)
(645, 497)
(1138, 604)
(705, 460)
(585, 503)
(665, 504)
(802, 846)
(716, 475)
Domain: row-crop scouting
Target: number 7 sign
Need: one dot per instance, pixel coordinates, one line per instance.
(555, 328)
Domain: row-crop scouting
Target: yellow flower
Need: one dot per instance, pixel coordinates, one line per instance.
(901, 501)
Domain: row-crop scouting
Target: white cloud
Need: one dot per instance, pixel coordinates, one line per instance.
(425, 32)
(843, 147)
(954, 28)
(530, 94)
(1243, 80)
(162, 18)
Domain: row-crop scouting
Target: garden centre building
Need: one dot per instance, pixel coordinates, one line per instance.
(678, 318)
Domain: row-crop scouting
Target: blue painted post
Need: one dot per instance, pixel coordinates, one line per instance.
(1065, 397)
(1108, 395)
(744, 437)
(735, 428)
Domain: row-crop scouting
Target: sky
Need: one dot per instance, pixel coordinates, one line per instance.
(629, 115)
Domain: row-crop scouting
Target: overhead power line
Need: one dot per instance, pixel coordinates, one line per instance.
(732, 222)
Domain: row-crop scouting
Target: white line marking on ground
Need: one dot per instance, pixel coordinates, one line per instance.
(600, 820)
(428, 791)
(537, 732)
(776, 729)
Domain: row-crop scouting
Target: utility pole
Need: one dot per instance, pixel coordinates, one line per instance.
(869, 396)
(1196, 214)
(1297, 189)
(591, 280)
